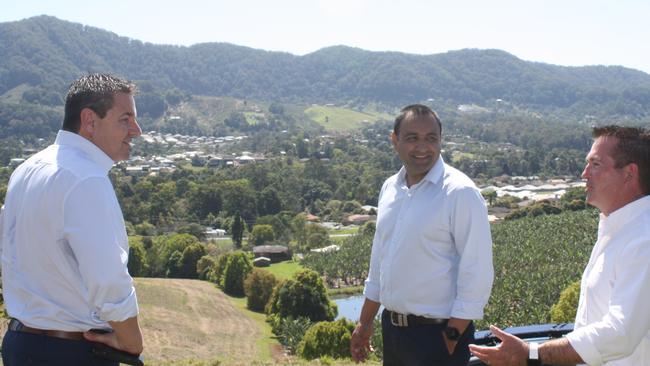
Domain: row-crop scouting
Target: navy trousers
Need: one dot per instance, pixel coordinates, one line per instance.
(23, 349)
(422, 345)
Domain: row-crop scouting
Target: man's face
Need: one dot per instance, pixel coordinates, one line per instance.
(113, 133)
(418, 146)
(605, 183)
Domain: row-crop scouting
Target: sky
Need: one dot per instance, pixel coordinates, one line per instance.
(561, 32)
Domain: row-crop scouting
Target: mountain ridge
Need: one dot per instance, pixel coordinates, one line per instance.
(47, 53)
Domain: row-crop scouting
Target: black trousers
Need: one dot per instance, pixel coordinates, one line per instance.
(422, 345)
(23, 349)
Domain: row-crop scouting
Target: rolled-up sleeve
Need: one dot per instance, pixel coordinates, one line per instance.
(473, 241)
(372, 287)
(94, 229)
(627, 320)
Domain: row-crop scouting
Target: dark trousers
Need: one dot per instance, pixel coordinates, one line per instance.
(23, 349)
(422, 345)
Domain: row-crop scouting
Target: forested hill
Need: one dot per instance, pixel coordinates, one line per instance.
(43, 54)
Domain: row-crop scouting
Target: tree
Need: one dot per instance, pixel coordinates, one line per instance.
(187, 264)
(258, 287)
(490, 195)
(237, 230)
(205, 199)
(193, 229)
(137, 265)
(268, 202)
(204, 265)
(302, 295)
(237, 268)
(260, 235)
(173, 265)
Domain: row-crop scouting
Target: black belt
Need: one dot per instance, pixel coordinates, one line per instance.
(17, 326)
(410, 320)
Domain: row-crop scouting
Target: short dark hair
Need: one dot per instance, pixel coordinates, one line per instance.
(94, 91)
(415, 110)
(633, 146)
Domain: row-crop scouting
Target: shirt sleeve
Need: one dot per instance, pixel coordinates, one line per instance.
(471, 231)
(627, 321)
(94, 229)
(371, 288)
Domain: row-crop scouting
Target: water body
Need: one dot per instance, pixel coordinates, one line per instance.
(350, 307)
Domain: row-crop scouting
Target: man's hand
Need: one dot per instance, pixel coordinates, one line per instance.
(126, 336)
(512, 351)
(451, 345)
(360, 343)
(461, 325)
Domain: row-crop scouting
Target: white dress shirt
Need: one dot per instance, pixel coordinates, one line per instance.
(432, 250)
(64, 244)
(612, 324)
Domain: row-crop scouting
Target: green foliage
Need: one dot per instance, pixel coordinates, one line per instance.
(260, 235)
(302, 295)
(258, 286)
(193, 229)
(506, 201)
(290, 331)
(187, 264)
(536, 209)
(534, 259)
(204, 266)
(237, 268)
(327, 339)
(237, 230)
(137, 265)
(565, 309)
(173, 265)
(159, 254)
(349, 264)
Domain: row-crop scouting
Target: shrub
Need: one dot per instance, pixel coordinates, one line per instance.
(137, 265)
(204, 266)
(291, 331)
(237, 268)
(302, 295)
(260, 235)
(189, 259)
(565, 309)
(327, 339)
(216, 273)
(258, 287)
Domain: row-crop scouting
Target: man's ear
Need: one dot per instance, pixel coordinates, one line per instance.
(631, 171)
(87, 122)
(393, 139)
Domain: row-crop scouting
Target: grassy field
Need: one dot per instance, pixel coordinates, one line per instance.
(342, 119)
(193, 323)
(186, 321)
(284, 270)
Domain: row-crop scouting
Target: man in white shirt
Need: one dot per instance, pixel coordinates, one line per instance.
(64, 244)
(612, 324)
(431, 261)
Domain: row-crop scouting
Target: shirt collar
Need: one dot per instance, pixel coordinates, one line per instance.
(434, 174)
(622, 216)
(66, 138)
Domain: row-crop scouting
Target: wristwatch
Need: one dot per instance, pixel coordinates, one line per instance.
(452, 333)
(533, 354)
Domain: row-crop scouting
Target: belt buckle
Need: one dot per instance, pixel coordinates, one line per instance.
(399, 320)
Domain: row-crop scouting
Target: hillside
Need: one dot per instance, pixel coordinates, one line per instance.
(41, 55)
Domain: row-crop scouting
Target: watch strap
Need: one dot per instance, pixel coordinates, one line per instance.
(533, 354)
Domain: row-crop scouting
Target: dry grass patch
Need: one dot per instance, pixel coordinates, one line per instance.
(192, 320)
